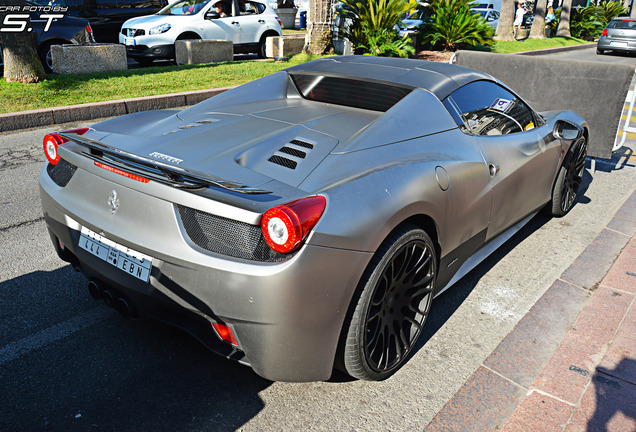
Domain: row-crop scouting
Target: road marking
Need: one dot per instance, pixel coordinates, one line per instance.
(53, 334)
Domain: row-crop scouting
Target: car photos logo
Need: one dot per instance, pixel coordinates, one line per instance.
(16, 18)
(167, 158)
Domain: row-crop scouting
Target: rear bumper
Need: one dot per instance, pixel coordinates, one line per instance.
(287, 316)
(606, 43)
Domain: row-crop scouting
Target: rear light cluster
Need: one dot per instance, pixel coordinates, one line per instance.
(286, 226)
(604, 32)
(53, 141)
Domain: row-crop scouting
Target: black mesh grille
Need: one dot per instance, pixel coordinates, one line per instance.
(293, 152)
(138, 32)
(61, 173)
(227, 237)
(287, 163)
(302, 143)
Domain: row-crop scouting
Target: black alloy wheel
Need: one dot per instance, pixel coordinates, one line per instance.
(569, 179)
(393, 305)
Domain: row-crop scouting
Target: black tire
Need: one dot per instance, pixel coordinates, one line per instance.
(261, 51)
(569, 179)
(44, 52)
(394, 301)
(600, 51)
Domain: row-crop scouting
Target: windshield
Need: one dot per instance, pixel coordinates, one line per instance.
(184, 7)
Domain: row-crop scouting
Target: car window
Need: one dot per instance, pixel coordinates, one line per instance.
(184, 7)
(622, 24)
(139, 4)
(251, 8)
(486, 108)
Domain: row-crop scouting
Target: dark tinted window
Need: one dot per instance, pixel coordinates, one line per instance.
(622, 24)
(348, 92)
(489, 109)
(139, 4)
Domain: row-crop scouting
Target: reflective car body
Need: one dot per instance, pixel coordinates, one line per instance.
(619, 35)
(490, 15)
(246, 23)
(359, 149)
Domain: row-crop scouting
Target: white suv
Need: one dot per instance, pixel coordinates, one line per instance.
(246, 23)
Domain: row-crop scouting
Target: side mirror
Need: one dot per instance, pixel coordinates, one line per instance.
(567, 131)
(211, 15)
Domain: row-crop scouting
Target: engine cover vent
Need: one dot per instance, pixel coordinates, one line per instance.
(293, 152)
(283, 161)
(302, 143)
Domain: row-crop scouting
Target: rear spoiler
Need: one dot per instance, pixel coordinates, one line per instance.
(156, 170)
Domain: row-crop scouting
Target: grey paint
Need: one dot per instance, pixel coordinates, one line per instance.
(375, 174)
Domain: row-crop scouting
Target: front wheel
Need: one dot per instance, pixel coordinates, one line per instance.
(45, 56)
(569, 179)
(396, 295)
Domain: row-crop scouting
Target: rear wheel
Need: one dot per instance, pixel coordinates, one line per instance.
(569, 179)
(44, 52)
(396, 295)
(599, 51)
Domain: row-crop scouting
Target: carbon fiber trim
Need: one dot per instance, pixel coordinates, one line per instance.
(227, 236)
(61, 173)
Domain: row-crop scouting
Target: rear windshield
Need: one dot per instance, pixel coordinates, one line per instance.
(622, 24)
(349, 92)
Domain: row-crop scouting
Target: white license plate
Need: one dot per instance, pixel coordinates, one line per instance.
(130, 42)
(128, 260)
(619, 44)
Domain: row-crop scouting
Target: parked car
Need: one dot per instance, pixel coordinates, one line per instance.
(414, 21)
(619, 36)
(246, 23)
(308, 219)
(66, 30)
(106, 16)
(490, 15)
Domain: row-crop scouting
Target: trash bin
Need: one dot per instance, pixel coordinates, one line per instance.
(303, 19)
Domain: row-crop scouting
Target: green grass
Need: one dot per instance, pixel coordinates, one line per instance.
(528, 45)
(59, 90)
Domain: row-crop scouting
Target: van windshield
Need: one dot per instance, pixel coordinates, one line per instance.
(184, 7)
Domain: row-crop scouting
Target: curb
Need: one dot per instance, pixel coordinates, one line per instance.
(64, 114)
(89, 111)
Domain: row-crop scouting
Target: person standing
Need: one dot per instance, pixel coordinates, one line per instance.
(518, 19)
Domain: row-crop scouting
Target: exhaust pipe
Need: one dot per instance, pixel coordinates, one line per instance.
(94, 290)
(125, 308)
(108, 297)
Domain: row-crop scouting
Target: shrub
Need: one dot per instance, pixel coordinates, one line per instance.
(372, 26)
(612, 9)
(585, 22)
(454, 25)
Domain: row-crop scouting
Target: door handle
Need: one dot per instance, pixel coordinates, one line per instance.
(493, 168)
(261, 21)
(235, 23)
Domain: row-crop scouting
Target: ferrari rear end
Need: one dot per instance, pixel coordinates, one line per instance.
(232, 264)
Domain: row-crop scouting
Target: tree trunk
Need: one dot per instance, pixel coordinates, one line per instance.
(320, 27)
(563, 30)
(21, 61)
(506, 18)
(538, 25)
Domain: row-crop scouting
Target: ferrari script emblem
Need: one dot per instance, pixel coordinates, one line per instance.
(113, 202)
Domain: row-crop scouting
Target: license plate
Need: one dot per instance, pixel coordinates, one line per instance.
(619, 44)
(125, 259)
(130, 42)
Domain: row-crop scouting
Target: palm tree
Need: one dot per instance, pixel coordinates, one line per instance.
(538, 25)
(504, 27)
(320, 27)
(563, 30)
(21, 61)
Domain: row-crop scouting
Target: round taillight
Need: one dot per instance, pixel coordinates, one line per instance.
(286, 226)
(604, 32)
(51, 142)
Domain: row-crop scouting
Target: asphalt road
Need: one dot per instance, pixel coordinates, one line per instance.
(68, 363)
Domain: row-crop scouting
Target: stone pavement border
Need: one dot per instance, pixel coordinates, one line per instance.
(64, 114)
(570, 362)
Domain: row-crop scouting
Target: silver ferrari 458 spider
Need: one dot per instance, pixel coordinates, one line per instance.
(306, 220)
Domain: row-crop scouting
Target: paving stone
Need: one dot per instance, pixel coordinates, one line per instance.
(590, 267)
(526, 350)
(483, 403)
(622, 275)
(608, 405)
(625, 218)
(539, 413)
(620, 359)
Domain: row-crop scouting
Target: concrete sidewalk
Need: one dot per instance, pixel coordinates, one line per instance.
(570, 363)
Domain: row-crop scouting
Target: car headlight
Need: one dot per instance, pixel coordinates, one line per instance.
(159, 29)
